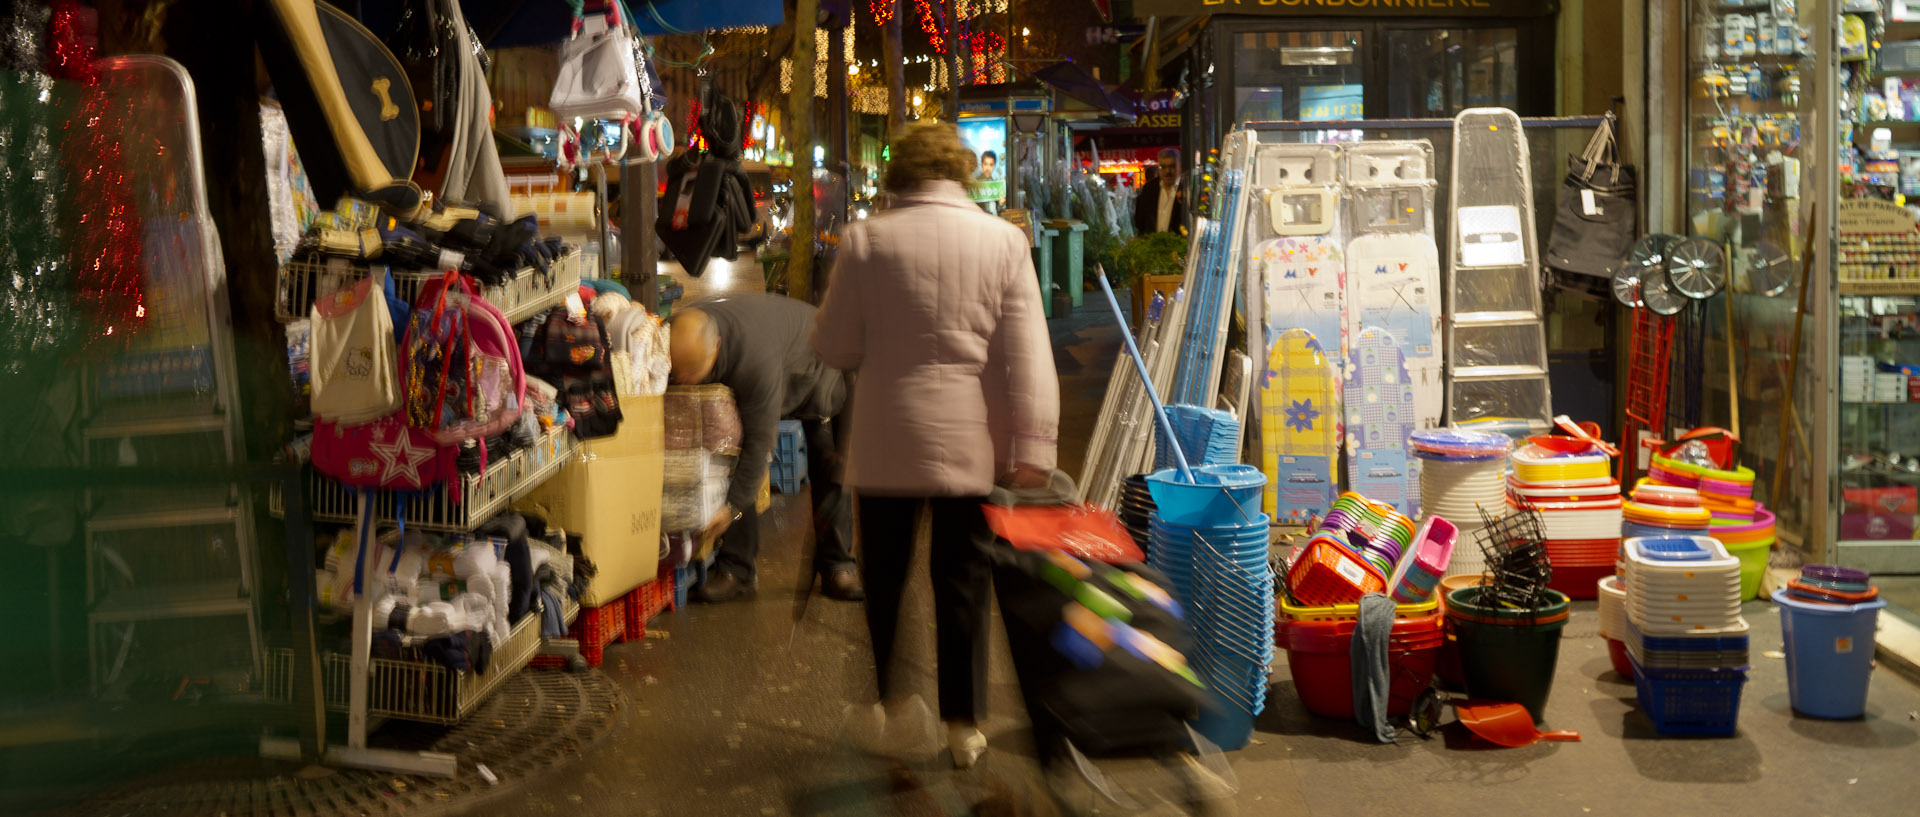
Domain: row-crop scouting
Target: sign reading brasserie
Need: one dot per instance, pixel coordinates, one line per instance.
(1377, 8)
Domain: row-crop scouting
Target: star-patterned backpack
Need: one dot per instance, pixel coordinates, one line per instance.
(386, 453)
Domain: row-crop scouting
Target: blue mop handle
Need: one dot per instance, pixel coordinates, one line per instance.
(1140, 363)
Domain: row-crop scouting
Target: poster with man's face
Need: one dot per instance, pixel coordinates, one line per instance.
(986, 136)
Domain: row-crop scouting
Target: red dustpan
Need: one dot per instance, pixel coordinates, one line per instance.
(1506, 724)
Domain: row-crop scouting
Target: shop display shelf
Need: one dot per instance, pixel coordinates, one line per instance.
(415, 689)
(520, 298)
(1880, 287)
(481, 495)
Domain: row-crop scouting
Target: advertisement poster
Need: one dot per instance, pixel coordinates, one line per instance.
(986, 136)
(1330, 103)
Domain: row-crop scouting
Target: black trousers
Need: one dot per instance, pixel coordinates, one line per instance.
(832, 510)
(962, 585)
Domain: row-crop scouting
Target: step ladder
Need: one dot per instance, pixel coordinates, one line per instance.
(1496, 359)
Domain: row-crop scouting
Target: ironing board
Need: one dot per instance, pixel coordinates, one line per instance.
(1393, 284)
(1300, 420)
(1379, 403)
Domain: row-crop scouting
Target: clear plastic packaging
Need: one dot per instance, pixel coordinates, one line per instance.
(702, 417)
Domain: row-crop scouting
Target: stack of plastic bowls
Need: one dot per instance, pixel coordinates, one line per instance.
(1461, 473)
(1582, 525)
(1233, 617)
(1655, 509)
(1375, 531)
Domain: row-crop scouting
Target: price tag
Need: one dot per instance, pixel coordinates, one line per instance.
(1588, 203)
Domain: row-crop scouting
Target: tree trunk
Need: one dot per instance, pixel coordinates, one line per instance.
(806, 16)
(896, 60)
(945, 13)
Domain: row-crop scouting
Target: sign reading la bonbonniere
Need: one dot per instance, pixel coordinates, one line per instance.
(1349, 8)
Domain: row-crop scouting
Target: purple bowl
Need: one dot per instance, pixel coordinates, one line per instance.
(1835, 573)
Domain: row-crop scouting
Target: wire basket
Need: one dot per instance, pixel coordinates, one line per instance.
(415, 689)
(1518, 568)
(481, 495)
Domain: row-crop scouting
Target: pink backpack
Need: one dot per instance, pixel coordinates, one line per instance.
(488, 399)
(386, 453)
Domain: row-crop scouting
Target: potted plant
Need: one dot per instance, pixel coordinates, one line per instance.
(1151, 263)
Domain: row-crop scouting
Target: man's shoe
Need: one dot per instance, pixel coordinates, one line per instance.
(721, 587)
(842, 584)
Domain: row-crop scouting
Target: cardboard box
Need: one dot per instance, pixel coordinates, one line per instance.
(610, 496)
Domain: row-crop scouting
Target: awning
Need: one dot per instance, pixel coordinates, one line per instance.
(1075, 82)
(511, 23)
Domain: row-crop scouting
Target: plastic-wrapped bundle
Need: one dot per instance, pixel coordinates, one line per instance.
(702, 417)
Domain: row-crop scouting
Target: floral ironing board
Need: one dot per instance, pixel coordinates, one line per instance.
(1393, 283)
(1306, 289)
(1300, 419)
(1380, 414)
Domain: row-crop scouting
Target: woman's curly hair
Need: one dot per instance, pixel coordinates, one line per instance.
(929, 151)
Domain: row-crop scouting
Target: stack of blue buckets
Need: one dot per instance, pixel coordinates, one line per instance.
(1211, 541)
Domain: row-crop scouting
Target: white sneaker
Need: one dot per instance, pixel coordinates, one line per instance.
(967, 744)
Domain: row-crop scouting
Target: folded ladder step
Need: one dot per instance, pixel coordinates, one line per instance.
(1467, 373)
(1522, 317)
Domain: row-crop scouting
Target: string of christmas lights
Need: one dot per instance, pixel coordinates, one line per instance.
(930, 26)
(109, 273)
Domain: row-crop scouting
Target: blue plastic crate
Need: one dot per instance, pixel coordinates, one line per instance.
(788, 470)
(1691, 701)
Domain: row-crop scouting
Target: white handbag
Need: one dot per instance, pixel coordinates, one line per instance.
(599, 78)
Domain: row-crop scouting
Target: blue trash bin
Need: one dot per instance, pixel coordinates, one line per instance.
(1829, 654)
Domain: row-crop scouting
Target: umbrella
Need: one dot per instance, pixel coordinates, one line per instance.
(1076, 83)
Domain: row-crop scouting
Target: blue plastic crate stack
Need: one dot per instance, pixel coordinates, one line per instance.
(789, 469)
(1685, 634)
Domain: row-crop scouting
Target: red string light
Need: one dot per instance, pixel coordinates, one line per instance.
(882, 12)
(930, 26)
(695, 139)
(107, 250)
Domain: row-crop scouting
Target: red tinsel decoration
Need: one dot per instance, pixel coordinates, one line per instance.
(695, 139)
(109, 272)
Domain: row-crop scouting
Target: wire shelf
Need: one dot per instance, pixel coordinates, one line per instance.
(481, 495)
(415, 690)
(520, 298)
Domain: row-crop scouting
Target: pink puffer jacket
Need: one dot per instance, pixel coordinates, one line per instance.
(936, 306)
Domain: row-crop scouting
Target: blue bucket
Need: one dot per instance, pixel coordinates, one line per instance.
(1225, 723)
(1220, 495)
(1829, 654)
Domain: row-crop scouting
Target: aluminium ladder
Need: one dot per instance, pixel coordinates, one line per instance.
(1496, 359)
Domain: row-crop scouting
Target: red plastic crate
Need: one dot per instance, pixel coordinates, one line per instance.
(645, 602)
(596, 628)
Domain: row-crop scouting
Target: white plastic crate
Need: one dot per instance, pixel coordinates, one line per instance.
(520, 298)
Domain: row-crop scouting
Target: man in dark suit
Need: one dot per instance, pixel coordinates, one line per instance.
(1161, 206)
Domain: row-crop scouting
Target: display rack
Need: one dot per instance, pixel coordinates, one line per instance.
(479, 498)
(523, 296)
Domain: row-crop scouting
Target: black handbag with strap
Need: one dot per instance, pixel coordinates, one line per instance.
(1598, 217)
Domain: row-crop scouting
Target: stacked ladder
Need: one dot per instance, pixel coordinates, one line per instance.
(1496, 358)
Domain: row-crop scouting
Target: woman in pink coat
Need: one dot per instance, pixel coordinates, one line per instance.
(936, 306)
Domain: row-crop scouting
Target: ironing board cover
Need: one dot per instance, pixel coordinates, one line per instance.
(1393, 283)
(1306, 289)
(1379, 410)
(1300, 420)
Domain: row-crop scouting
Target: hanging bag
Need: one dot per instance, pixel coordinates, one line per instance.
(598, 77)
(354, 373)
(1599, 214)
